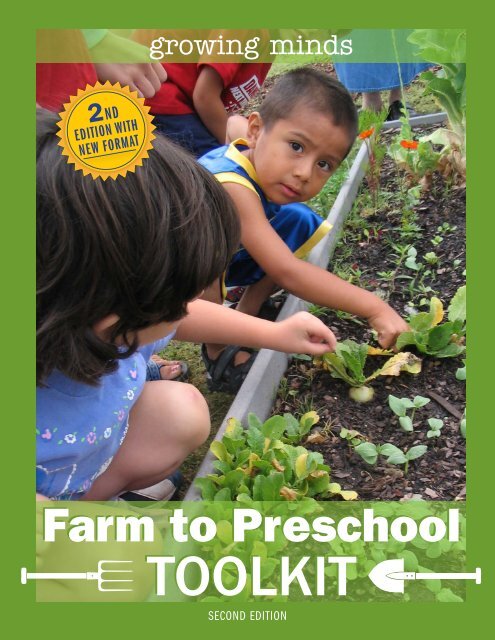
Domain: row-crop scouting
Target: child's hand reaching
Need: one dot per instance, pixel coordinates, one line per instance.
(388, 324)
(303, 333)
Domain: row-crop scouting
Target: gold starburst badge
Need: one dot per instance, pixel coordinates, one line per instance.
(106, 130)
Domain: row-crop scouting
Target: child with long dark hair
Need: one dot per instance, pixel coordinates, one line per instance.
(119, 266)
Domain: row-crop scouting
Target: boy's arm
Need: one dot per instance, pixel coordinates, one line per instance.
(305, 280)
(214, 323)
(207, 100)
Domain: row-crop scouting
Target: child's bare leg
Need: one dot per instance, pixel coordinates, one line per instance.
(169, 420)
(254, 296)
(372, 100)
(394, 95)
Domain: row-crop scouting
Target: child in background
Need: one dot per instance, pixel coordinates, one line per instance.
(193, 106)
(119, 266)
(303, 131)
(56, 82)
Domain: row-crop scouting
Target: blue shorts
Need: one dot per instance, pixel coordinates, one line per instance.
(298, 226)
(188, 131)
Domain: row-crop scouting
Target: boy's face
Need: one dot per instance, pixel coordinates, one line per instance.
(295, 156)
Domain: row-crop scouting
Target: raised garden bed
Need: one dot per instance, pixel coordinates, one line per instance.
(439, 473)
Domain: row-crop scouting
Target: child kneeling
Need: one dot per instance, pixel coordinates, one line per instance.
(120, 264)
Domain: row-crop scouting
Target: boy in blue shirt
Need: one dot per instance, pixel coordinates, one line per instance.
(303, 131)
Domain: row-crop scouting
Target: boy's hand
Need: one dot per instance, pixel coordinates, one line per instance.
(388, 324)
(303, 333)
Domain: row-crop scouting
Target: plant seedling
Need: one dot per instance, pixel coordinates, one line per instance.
(411, 259)
(348, 362)
(435, 339)
(460, 374)
(352, 436)
(462, 425)
(431, 258)
(369, 452)
(400, 406)
(435, 427)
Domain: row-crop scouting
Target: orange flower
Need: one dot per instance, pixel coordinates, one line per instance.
(409, 144)
(366, 134)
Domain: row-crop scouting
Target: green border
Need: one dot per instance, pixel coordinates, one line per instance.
(18, 268)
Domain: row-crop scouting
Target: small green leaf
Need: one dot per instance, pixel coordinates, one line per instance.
(397, 405)
(256, 440)
(388, 450)
(405, 339)
(421, 322)
(220, 451)
(207, 488)
(439, 337)
(301, 466)
(225, 532)
(367, 451)
(460, 374)
(435, 424)
(406, 423)
(254, 421)
(457, 307)
(451, 350)
(416, 452)
(397, 458)
(223, 495)
(419, 401)
(274, 427)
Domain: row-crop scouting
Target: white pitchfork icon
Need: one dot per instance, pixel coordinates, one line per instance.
(104, 567)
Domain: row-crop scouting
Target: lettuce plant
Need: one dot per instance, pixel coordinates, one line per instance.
(261, 463)
(348, 362)
(435, 339)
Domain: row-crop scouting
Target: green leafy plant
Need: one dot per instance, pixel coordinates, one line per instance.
(436, 426)
(348, 363)
(417, 159)
(431, 337)
(352, 436)
(400, 406)
(369, 452)
(410, 262)
(447, 47)
(260, 463)
(431, 258)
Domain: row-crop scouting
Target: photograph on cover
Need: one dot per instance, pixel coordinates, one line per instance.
(251, 272)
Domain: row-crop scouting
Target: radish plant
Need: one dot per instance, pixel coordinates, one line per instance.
(348, 362)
